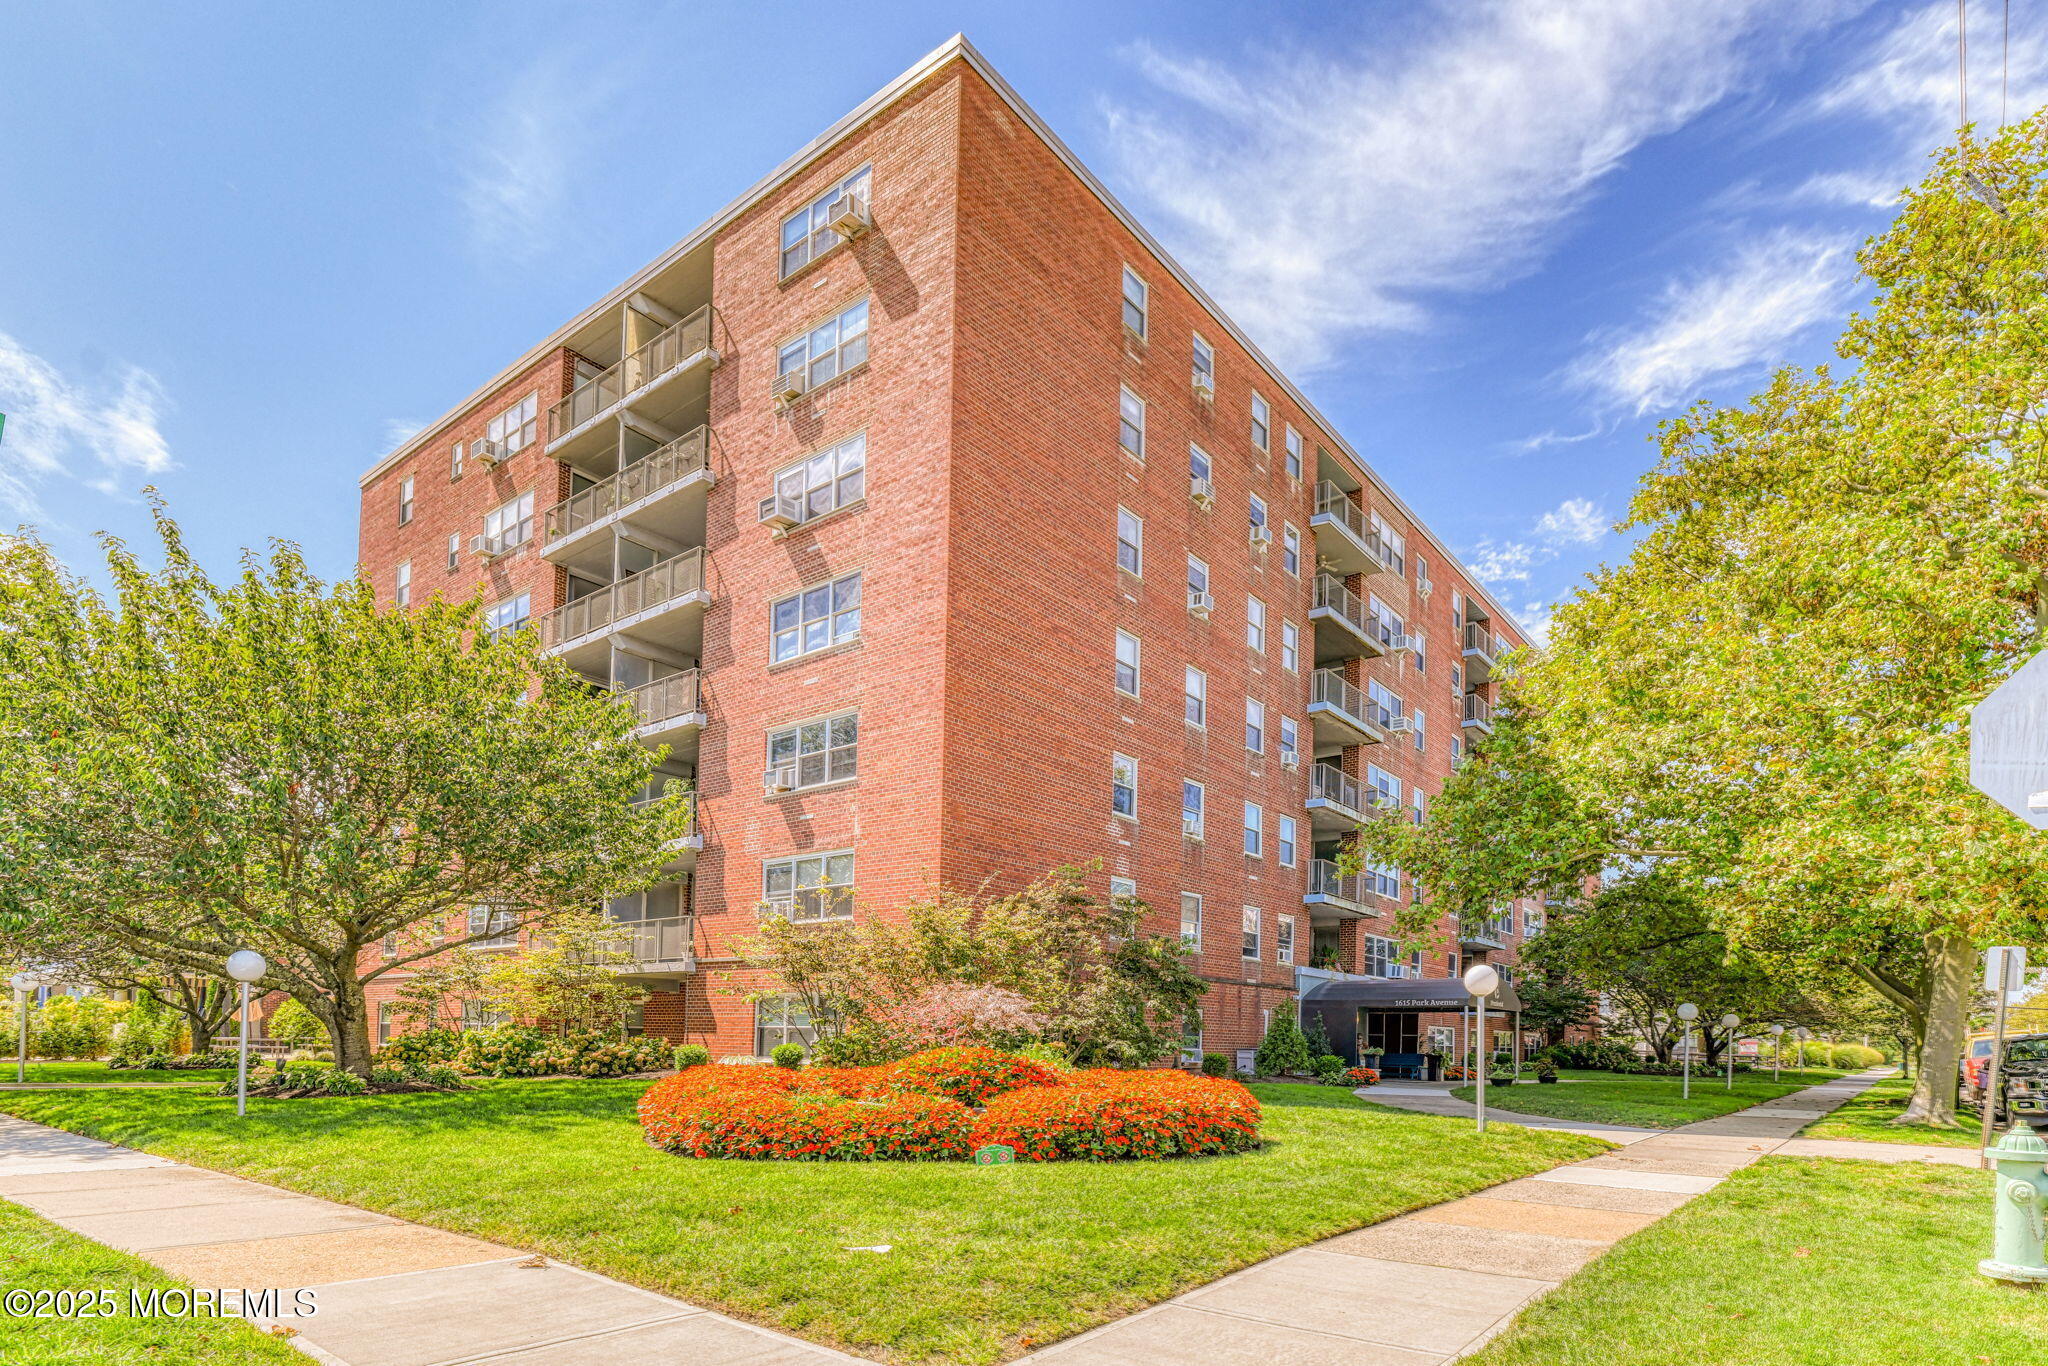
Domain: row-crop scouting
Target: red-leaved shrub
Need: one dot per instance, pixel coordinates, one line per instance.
(972, 1076)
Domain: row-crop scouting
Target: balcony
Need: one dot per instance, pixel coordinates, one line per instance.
(1483, 936)
(663, 491)
(662, 605)
(1340, 713)
(682, 850)
(1481, 650)
(1343, 627)
(671, 710)
(1335, 803)
(1333, 894)
(656, 948)
(1344, 539)
(1478, 714)
(642, 379)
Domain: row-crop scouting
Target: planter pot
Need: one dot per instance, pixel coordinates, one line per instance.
(1500, 1081)
(1547, 1081)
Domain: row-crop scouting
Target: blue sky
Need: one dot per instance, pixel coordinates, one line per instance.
(248, 249)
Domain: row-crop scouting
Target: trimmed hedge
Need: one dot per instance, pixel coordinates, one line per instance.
(923, 1109)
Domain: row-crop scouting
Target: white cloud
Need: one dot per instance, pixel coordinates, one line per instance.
(105, 436)
(1323, 196)
(396, 431)
(1716, 325)
(1501, 564)
(522, 148)
(1575, 521)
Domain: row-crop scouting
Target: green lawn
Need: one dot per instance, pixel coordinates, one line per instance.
(1751, 1273)
(37, 1255)
(100, 1073)
(1869, 1116)
(1647, 1102)
(984, 1261)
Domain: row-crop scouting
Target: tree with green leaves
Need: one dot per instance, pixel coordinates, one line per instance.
(1768, 700)
(280, 764)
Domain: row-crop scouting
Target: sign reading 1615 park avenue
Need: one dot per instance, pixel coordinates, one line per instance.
(2009, 743)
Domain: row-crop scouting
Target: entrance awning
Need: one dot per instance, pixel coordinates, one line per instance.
(1436, 995)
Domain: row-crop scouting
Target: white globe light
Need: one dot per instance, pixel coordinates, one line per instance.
(1730, 1020)
(1802, 1033)
(1482, 979)
(23, 981)
(247, 965)
(1688, 1012)
(1777, 1030)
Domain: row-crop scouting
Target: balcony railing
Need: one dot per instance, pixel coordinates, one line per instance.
(1325, 880)
(1478, 711)
(1331, 785)
(1479, 637)
(667, 698)
(1329, 687)
(664, 582)
(659, 469)
(1333, 596)
(1334, 503)
(651, 941)
(669, 348)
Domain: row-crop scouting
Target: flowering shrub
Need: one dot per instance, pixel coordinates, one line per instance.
(1361, 1076)
(421, 1046)
(967, 1013)
(921, 1110)
(599, 1055)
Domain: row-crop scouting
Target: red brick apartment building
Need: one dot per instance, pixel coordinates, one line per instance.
(944, 530)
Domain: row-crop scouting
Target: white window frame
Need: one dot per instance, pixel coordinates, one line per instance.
(1255, 624)
(1262, 423)
(405, 501)
(1253, 926)
(1191, 901)
(1196, 695)
(455, 461)
(1122, 889)
(1198, 576)
(1123, 787)
(814, 619)
(1137, 302)
(1130, 413)
(813, 896)
(1290, 548)
(1394, 541)
(1287, 841)
(1126, 673)
(499, 927)
(517, 426)
(820, 749)
(1204, 357)
(1254, 725)
(1283, 940)
(401, 585)
(511, 614)
(780, 1020)
(1290, 740)
(1380, 954)
(510, 524)
(1130, 542)
(813, 236)
(1290, 647)
(828, 479)
(1259, 516)
(1201, 465)
(1194, 801)
(822, 357)
(454, 549)
(1381, 788)
(1293, 448)
(1254, 830)
(1421, 745)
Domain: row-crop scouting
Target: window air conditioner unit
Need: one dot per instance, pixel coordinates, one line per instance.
(1205, 386)
(1398, 643)
(781, 512)
(1397, 969)
(1291, 762)
(1200, 604)
(1191, 827)
(781, 778)
(1423, 586)
(848, 216)
(1262, 539)
(490, 547)
(791, 386)
(487, 453)
(780, 905)
(1399, 725)
(1202, 491)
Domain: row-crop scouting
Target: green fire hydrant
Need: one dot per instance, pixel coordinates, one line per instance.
(2019, 1236)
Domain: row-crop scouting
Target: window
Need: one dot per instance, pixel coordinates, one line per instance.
(455, 461)
(1136, 297)
(1457, 671)
(1386, 622)
(1379, 954)
(1420, 648)
(1290, 550)
(1254, 830)
(1287, 842)
(1199, 464)
(1255, 725)
(1290, 741)
(401, 592)
(1191, 920)
(1198, 579)
(1130, 542)
(780, 1020)
(516, 427)
(476, 1015)
(1251, 934)
(1421, 573)
(1421, 745)
(816, 619)
(1131, 422)
(1293, 452)
(509, 524)
(807, 234)
(821, 751)
(1385, 705)
(828, 350)
(498, 926)
(1262, 423)
(405, 500)
(454, 549)
(386, 1020)
(1419, 805)
(1381, 787)
(1191, 795)
(1123, 786)
(1457, 750)
(1197, 697)
(834, 478)
(1258, 515)
(1122, 889)
(1290, 647)
(810, 887)
(1255, 624)
(1383, 879)
(1395, 543)
(1205, 362)
(513, 614)
(1127, 663)
(1283, 939)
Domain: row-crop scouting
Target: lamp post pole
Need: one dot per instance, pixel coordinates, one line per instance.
(1482, 981)
(245, 966)
(1777, 1050)
(1729, 1024)
(1687, 1013)
(22, 983)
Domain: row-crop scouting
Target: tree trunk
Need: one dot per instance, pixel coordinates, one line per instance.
(1951, 962)
(346, 1014)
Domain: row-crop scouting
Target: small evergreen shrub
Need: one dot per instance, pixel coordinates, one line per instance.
(1328, 1069)
(1284, 1050)
(787, 1055)
(690, 1055)
(1215, 1065)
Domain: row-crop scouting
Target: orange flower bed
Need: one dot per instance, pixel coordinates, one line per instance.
(916, 1110)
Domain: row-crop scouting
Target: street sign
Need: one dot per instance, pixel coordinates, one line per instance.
(2009, 743)
(2014, 963)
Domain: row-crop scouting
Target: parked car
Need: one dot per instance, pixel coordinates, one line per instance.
(2022, 1079)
